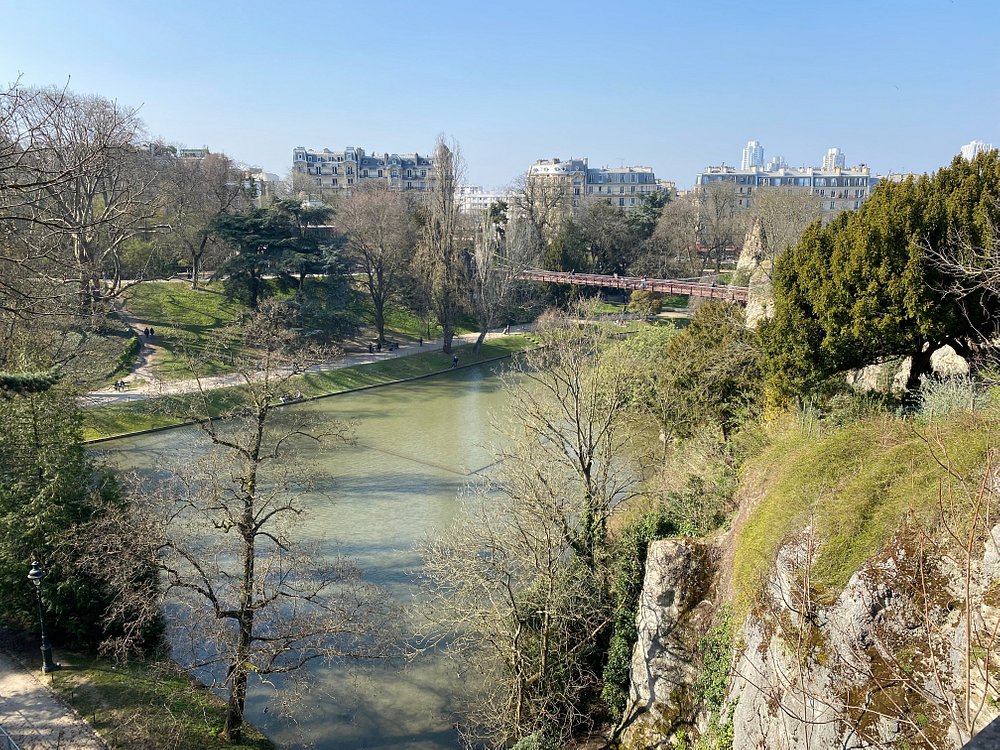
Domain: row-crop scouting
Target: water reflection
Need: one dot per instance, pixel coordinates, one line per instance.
(416, 446)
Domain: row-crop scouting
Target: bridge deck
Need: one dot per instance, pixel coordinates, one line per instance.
(668, 286)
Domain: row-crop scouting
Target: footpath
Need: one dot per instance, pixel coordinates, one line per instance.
(35, 718)
(142, 382)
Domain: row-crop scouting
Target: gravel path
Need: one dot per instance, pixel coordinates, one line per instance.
(35, 717)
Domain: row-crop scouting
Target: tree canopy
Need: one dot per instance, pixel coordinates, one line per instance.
(865, 288)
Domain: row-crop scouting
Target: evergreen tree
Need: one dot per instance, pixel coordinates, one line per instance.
(48, 486)
(865, 288)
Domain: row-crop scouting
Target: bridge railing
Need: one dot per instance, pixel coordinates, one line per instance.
(666, 286)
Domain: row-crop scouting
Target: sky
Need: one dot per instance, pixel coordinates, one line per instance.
(676, 85)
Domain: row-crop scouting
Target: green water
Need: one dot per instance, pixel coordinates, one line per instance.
(417, 445)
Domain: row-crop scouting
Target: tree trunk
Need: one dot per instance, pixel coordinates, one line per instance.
(196, 256)
(920, 364)
(378, 307)
(195, 269)
(447, 334)
(479, 342)
(233, 729)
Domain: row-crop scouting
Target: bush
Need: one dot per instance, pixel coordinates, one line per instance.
(939, 398)
(645, 302)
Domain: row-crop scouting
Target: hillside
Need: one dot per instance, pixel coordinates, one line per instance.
(852, 603)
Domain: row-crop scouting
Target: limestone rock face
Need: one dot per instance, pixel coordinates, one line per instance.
(674, 610)
(753, 250)
(884, 665)
(755, 266)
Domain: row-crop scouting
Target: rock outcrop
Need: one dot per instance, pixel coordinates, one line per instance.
(904, 656)
(674, 611)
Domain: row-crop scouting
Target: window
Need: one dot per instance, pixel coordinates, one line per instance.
(621, 201)
(409, 185)
(380, 173)
(350, 181)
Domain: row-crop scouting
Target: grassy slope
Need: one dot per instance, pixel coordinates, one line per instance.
(145, 704)
(161, 412)
(182, 318)
(855, 486)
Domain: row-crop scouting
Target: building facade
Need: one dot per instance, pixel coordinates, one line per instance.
(837, 189)
(972, 149)
(576, 183)
(472, 199)
(344, 170)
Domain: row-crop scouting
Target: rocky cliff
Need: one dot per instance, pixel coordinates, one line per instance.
(906, 655)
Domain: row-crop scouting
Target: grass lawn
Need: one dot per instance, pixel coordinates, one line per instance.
(147, 704)
(183, 318)
(121, 419)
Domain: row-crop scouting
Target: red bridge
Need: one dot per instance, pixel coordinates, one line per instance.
(669, 286)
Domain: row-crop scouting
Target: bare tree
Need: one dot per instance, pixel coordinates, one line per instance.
(380, 239)
(520, 583)
(31, 274)
(672, 250)
(784, 215)
(439, 260)
(720, 222)
(543, 203)
(504, 246)
(517, 610)
(89, 215)
(198, 191)
(242, 596)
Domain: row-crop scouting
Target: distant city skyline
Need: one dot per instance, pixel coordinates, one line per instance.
(895, 89)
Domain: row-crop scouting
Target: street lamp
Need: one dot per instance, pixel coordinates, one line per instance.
(35, 576)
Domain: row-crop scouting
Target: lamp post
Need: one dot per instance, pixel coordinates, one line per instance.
(35, 576)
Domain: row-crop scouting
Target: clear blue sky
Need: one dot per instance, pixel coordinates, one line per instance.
(673, 84)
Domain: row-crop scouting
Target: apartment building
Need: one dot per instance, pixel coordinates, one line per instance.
(577, 183)
(837, 188)
(343, 170)
(472, 199)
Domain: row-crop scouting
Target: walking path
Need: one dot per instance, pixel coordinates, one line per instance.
(142, 383)
(35, 717)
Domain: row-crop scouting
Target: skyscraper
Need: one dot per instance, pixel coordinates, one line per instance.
(753, 156)
(834, 158)
(974, 148)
